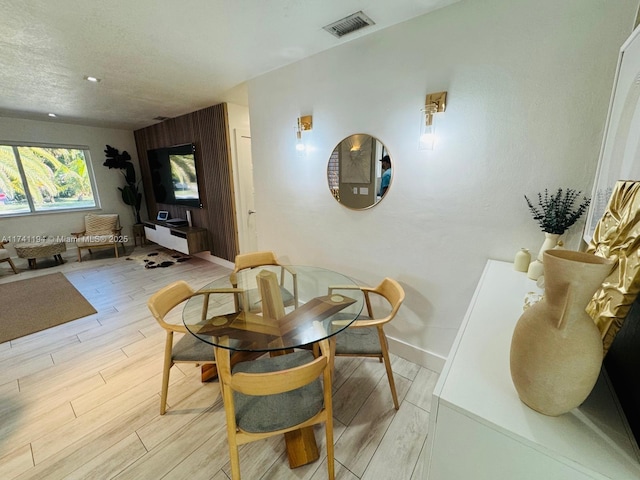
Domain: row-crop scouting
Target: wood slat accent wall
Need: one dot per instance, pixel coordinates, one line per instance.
(208, 130)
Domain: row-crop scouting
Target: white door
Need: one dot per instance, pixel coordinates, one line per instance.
(247, 232)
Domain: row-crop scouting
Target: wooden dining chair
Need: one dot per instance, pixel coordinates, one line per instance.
(365, 337)
(276, 395)
(188, 349)
(6, 257)
(100, 231)
(260, 259)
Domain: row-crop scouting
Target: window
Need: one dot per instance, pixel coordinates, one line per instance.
(44, 178)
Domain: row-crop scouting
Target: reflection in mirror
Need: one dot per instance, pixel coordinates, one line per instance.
(359, 171)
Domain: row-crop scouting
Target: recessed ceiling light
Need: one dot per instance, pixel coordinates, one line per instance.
(53, 115)
(92, 79)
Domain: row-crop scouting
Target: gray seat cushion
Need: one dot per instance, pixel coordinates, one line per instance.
(274, 412)
(362, 340)
(190, 349)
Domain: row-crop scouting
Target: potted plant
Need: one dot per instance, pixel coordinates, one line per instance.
(555, 213)
(131, 194)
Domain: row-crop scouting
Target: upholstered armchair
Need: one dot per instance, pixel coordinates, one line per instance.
(5, 257)
(100, 231)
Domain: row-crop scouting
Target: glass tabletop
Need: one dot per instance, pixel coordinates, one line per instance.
(316, 304)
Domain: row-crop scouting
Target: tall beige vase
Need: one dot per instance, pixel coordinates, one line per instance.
(556, 349)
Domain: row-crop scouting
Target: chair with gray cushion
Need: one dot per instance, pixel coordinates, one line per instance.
(275, 395)
(188, 349)
(258, 259)
(365, 337)
(5, 257)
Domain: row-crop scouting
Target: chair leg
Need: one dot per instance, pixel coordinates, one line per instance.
(234, 455)
(328, 426)
(116, 249)
(79, 254)
(235, 461)
(13, 267)
(165, 372)
(387, 365)
(332, 356)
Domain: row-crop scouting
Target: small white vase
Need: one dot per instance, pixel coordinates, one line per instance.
(550, 241)
(522, 260)
(536, 269)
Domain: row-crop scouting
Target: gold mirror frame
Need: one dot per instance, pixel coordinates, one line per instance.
(354, 171)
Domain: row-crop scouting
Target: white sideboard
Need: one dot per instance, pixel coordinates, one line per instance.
(188, 240)
(479, 429)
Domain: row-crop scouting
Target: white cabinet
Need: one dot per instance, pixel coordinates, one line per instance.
(188, 240)
(479, 429)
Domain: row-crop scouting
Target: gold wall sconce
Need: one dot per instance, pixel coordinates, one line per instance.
(305, 123)
(434, 103)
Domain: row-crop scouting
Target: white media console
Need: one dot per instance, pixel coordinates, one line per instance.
(479, 429)
(188, 240)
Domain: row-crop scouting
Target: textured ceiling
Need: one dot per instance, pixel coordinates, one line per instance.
(161, 57)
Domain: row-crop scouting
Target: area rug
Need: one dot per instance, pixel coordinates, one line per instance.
(159, 258)
(38, 303)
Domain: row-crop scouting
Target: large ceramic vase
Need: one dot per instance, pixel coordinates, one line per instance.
(556, 349)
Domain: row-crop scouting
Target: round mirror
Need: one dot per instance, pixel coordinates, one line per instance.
(359, 171)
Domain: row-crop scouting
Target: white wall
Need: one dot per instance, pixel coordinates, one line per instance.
(529, 84)
(107, 180)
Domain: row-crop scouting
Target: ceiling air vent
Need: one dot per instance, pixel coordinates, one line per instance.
(349, 24)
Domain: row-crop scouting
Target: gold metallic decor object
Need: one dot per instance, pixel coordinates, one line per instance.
(617, 237)
(435, 103)
(305, 123)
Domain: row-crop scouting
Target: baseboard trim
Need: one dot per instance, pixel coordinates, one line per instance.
(213, 259)
(416, 355)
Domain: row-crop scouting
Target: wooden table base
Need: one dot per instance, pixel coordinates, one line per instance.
(301, 447)
(209, 372)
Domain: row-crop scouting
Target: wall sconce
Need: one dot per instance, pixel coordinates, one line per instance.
(305, 123)
(434, 103)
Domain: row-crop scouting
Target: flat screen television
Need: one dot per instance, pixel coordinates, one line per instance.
(174, 175)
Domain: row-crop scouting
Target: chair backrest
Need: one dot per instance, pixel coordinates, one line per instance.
(272, 383)
(4, 254)
(393, 292)
(254, 259)
(167, 298)
(103, 224)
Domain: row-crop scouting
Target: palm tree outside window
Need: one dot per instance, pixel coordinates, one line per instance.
(44, 178)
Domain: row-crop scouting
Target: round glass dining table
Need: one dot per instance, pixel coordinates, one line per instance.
(316, 303)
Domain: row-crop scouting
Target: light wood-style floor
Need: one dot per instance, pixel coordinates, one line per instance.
(81, 400)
